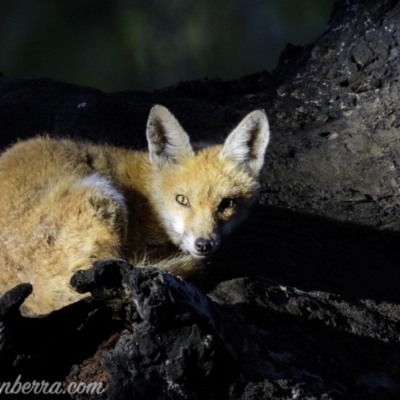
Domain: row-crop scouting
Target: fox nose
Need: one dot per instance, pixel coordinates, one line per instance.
(203, 245)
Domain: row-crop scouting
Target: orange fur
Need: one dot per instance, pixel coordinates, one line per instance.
(66, 204)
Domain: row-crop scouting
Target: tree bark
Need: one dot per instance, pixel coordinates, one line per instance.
(336, 130)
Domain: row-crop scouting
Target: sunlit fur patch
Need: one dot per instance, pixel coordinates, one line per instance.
(103, 185)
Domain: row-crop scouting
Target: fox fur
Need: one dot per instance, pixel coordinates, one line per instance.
(65, 204)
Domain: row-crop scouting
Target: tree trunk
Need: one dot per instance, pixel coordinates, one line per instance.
(336, 147)
(302, 300)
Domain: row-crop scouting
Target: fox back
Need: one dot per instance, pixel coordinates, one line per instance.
(66, 204)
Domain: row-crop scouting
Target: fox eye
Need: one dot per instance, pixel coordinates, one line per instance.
(226, 203)
(181, 199)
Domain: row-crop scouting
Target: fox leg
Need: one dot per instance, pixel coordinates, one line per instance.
(86, 221)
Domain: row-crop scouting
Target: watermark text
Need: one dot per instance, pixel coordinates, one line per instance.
(43, 387)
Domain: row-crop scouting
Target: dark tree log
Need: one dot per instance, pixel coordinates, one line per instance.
(302, 301)
(337, 128)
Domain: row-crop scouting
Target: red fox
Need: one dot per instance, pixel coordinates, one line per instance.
(65, 204)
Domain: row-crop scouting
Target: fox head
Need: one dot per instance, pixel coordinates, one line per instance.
(200, 195)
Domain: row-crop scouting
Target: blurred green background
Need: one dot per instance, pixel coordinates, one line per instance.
(119, 45)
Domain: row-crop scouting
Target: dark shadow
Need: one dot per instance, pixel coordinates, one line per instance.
(311, 253)
(279, 346)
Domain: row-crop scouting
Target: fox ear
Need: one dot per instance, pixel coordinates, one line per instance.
(167, 140)
(247, 143)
